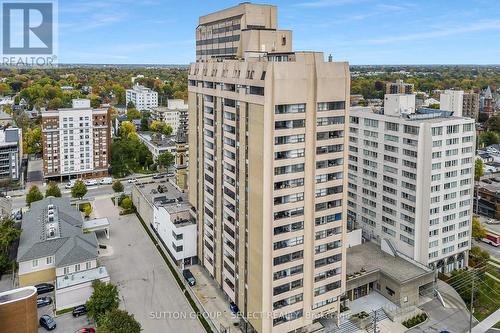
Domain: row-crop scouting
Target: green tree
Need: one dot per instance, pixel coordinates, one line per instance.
(117, 186)
(166, 160)
(79, 189)
(32, 140)
(126, 129)
(126, 203)
(118, 321)
(53, 190)
(8, 234)
(33, 195)
(478, 231)
(434, 106)
(478, 169)
(488, 138)
(478, 257)
(87, 210)
(133, 114)
(493, 123)
(104, 298)
(130, 105)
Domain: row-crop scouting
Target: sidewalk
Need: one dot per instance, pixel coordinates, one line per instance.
(212, 299)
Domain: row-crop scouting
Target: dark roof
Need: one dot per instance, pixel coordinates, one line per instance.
(70, 245)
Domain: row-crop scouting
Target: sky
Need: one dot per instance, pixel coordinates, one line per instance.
(358, 31)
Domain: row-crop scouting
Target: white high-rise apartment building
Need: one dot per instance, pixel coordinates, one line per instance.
(175, 114)
(142, 97)
(411, 183)
(452, 100)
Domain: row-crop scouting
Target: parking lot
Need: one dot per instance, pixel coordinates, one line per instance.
(147, 288)
(66, 323)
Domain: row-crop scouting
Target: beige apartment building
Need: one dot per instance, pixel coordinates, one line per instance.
(267, 138)
(399, 87)
(230, 32)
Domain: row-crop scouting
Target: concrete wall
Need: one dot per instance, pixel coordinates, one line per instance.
(143, 206)
(72, 296)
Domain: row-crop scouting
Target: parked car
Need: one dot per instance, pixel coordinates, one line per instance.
(487, 181)
(79, 310)
(132, 180)
(189, 277)
(234, 308)
(86, 330)
(159, 176)
(47, 322)
(43, 288)
(17, 215)
(91, 182)
(43, 301)
(106, 181)
(170, 174)
(70, 184)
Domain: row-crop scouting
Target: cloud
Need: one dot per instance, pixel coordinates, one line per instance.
(326, 3)
(442, 32)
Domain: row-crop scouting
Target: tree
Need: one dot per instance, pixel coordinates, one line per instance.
(87, 210)
(133, 114)
(478, 257)
(53, 190)
(478, 231)
(434, 106)
(117, 186)
(33, 195)
(161, 127)
(488, 138)
(130, 105)
(8, 234)
(118, 321)
(493, 123)
(32, 140)
(478, 169)
(126, 129)
(166, 159)
(79, 189)
(482, 117)
(126, 203)
(104, 298)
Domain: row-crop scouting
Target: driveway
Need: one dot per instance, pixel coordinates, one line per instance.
(147, 288)
(66, 323)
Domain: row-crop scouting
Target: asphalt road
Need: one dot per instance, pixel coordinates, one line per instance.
(147, 288)
(19, 197)
(493, 251)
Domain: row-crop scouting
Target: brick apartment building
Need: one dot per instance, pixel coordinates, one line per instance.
(76, 141)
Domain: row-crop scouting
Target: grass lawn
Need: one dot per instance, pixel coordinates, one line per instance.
(486, 299)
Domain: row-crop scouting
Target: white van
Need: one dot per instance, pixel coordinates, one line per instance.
(90, 182)
(106, 181)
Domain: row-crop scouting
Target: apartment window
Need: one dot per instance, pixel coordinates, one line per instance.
(66, 270)
(88, 265)
(290, 108)
(328, 106)
(413, 130)
(49, 260)
(34, 263)
(288, 272)
(77, 267)
(437, 131)
(371, 122)
(391, 126)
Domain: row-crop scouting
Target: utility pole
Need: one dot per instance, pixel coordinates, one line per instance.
(375, 322)
(471, 301)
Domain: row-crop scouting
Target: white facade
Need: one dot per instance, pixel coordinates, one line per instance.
(175, 114)
(142, 97)
(75, 140)
(398, 104)
(177, 230)
(452, 100)
(411, 182)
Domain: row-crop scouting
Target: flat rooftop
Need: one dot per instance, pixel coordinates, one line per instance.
(16, 294)
(171, 199)
(370, 257)
(82, 277)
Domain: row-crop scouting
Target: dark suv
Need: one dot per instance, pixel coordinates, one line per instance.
(189, 277)
(43, 288)
(79, 310)
(47, 322)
